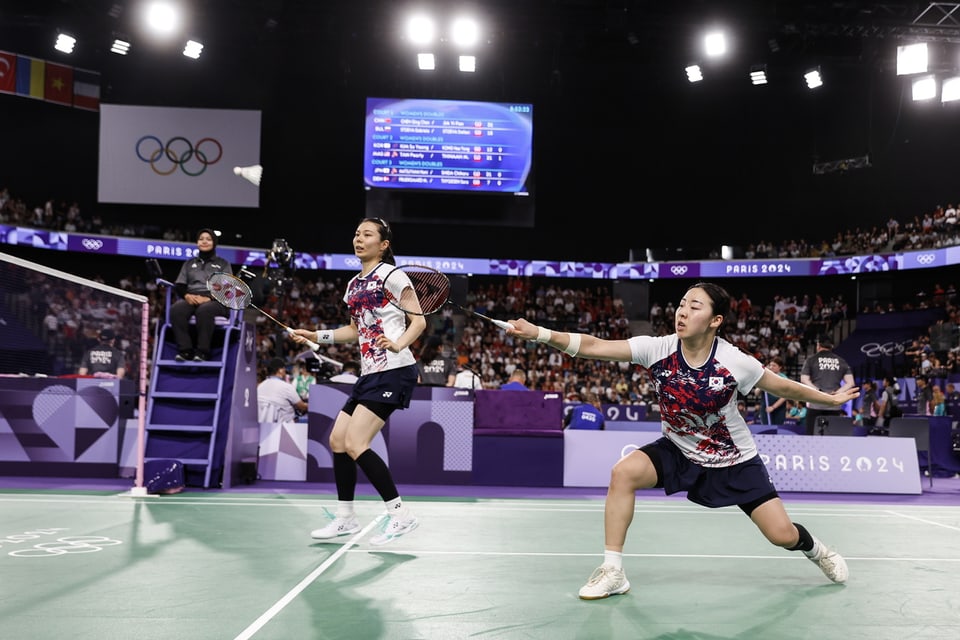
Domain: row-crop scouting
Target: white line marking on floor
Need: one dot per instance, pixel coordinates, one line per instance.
(303, 584)
(681, 556)
(924, 520)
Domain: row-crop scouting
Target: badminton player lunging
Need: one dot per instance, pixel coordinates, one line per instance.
(388, 375)
(707, 449)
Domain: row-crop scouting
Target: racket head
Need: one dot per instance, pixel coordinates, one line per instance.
(230, 291)
(431, 286)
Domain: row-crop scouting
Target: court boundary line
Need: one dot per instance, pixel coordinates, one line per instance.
(682, 556)
(279, 605)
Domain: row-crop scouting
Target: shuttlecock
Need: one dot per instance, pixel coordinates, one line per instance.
(251, 173)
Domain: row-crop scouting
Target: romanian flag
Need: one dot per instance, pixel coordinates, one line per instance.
(8, 72)
(86, 89)
(30, 77)
(58, 85)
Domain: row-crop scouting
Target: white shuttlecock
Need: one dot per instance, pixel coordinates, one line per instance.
(251, 173)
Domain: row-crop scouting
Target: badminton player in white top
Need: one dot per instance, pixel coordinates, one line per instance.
(707, 449)
(388, 375)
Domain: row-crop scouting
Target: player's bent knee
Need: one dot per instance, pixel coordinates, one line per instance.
(633, 472)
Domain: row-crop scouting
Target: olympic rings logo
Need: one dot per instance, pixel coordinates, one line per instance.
(678, 269)
(351, 262)
(65, 546)
(876, 350)
(92, 244)
(179, 152)
(926, 258)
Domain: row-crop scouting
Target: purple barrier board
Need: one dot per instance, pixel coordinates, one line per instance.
(431, 442)
(836, 464)
(62, 426)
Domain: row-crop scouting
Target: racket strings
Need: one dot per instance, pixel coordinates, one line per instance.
(433, 289)
(229, 291)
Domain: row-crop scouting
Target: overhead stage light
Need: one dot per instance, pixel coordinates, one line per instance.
(420, 29)
(120, 47)
(694, 73)
(813, 78)
(924, 88)
(65, 43)
(426, 62)
(465, 32)
(192, 49)
(950, 91)
(912, 58)
(715, 44)
(758, 74)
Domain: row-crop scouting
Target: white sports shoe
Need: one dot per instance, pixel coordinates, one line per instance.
(604, 582)
(830, 562)
(394, 527)
(338, 526)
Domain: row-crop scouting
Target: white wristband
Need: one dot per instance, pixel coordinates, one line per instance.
(325, 337)
(544, 334)
(574, 347)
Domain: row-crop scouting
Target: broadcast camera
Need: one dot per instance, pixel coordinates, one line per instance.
(320, 370)
(280, 263)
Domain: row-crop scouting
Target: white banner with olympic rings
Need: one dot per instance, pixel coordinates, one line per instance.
(177, 156)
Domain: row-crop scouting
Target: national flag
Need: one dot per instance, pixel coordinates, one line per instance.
(8, 72)
(86, 89)
(58, 84)
(30, 77)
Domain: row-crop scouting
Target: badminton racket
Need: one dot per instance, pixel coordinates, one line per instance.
(432, 288)
(234, 293)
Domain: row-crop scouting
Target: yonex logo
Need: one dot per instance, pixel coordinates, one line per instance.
(387, 394)
(678, 269)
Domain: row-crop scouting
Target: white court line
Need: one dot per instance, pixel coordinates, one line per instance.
(924, 520)
(643, 507)
(709, 556)
(303, 584)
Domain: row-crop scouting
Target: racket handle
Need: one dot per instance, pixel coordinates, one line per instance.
(313, 345)
(506, 326)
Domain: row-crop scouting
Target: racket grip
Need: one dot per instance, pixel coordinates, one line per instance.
(313, 345)
(506, 326)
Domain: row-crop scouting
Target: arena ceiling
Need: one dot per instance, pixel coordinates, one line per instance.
(606, 76)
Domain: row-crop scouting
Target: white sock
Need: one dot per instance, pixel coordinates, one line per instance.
(613, 558)
(345, 509)
(395, 507)
(813, 552)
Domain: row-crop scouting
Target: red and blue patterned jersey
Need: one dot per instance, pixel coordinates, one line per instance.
(374, 316)
(698, 405)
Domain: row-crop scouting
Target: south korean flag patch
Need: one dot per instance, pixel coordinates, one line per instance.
(715, 383)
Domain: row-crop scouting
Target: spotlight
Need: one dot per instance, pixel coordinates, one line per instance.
(120, 47)
(426, 62)
(694, 73)
(192, 49)
(912, 58)
(65, 43)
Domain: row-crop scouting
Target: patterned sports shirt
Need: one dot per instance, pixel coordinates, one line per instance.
(374, 316)
(698, 405)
